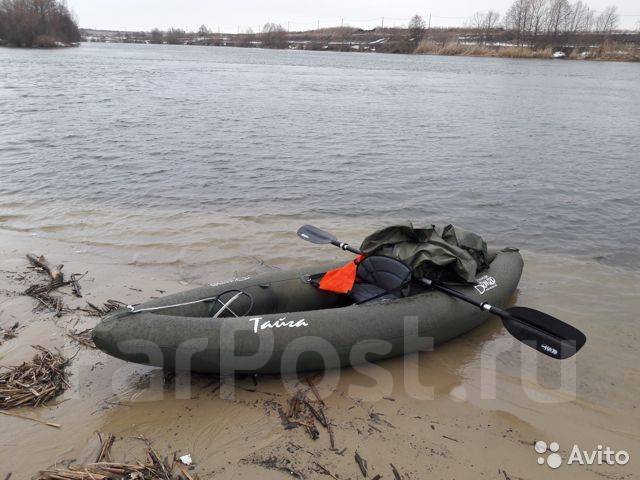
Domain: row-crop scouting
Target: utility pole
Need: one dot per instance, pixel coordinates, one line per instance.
(382, 23)
(318, 25)
(429, 21)
(342, 23)
(288, 26)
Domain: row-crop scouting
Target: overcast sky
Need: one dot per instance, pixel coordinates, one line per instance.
(190, 14)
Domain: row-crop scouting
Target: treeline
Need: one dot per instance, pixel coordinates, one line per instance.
(37, 23)
(548, 22)
(272, 35)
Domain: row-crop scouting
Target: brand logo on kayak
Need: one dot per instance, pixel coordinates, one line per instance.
(549, 349)
(281, 323)
(600, 456)
(485, 283)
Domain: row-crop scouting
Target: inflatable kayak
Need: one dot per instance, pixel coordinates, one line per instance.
(281, 322)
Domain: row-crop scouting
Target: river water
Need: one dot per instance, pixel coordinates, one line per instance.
(199, 157)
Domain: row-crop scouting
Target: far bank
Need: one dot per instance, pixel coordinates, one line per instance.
(616, 46)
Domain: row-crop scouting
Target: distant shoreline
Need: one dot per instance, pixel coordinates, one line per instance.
(614, 46)
(469, 50)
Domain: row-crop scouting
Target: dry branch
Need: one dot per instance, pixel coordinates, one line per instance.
(324, 471)
(362, 464)
(396, 474)
(273, 463)
(8, 334)
(83, 338)
(24, 417)
(34, 383)
(108, 307)
(104, 455)
(55, 272)
(42, 291)
(305, 412)
(106, 469)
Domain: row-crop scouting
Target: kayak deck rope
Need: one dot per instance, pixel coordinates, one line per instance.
(224, 305)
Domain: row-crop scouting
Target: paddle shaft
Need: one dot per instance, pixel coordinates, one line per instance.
(454, 293)
(346, 247)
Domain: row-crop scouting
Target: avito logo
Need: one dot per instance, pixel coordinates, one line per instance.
(600, 456)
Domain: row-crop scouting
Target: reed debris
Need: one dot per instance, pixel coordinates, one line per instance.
(34, 383)
(105, 468)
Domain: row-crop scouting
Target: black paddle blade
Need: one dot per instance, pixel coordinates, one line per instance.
(543, 332)
(315, 235)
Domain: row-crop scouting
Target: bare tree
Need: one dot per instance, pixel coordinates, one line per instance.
(608, 20)
(557, 18)
(483, 23)
(491, 22)
(245, 39)
(578, 17)
(156, 36)
(274, 36)
(30, 23)
(204, 32)
(539, 13)
(417, 27)
(475, 21)
(175, 36)
(518, 19)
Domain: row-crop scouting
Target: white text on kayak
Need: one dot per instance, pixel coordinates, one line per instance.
(485, 283)
(277, 324)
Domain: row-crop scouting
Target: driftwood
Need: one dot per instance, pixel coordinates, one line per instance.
(324, 471)
(304, 412)
(104, 455)
(34, 383)
(24, 417)
(396, 474)
(106, 469)
(273, 463)
(42, 291)
(83, 338)
(108, 307)
(362, 464)
(8, 334)
(55, 272)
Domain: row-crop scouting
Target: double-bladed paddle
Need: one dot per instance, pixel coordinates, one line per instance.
(320, 237)
(538, 330)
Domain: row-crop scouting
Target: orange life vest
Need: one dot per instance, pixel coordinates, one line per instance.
(341, 280)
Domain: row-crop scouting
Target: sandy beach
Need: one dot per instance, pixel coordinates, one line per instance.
(440, 414)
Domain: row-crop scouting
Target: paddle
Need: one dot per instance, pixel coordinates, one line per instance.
(320, 237)
(538, 330)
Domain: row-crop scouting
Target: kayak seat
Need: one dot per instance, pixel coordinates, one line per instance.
(378, 278)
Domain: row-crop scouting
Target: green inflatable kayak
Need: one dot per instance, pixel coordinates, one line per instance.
(281, 322)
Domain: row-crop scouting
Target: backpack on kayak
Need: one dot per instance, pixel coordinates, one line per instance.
(444, 252)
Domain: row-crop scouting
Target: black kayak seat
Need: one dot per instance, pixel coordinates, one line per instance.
(380, 277)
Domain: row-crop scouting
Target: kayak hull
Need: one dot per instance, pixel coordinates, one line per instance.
(284, 335)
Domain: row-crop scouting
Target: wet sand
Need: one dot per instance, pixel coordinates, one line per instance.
(471, 423)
